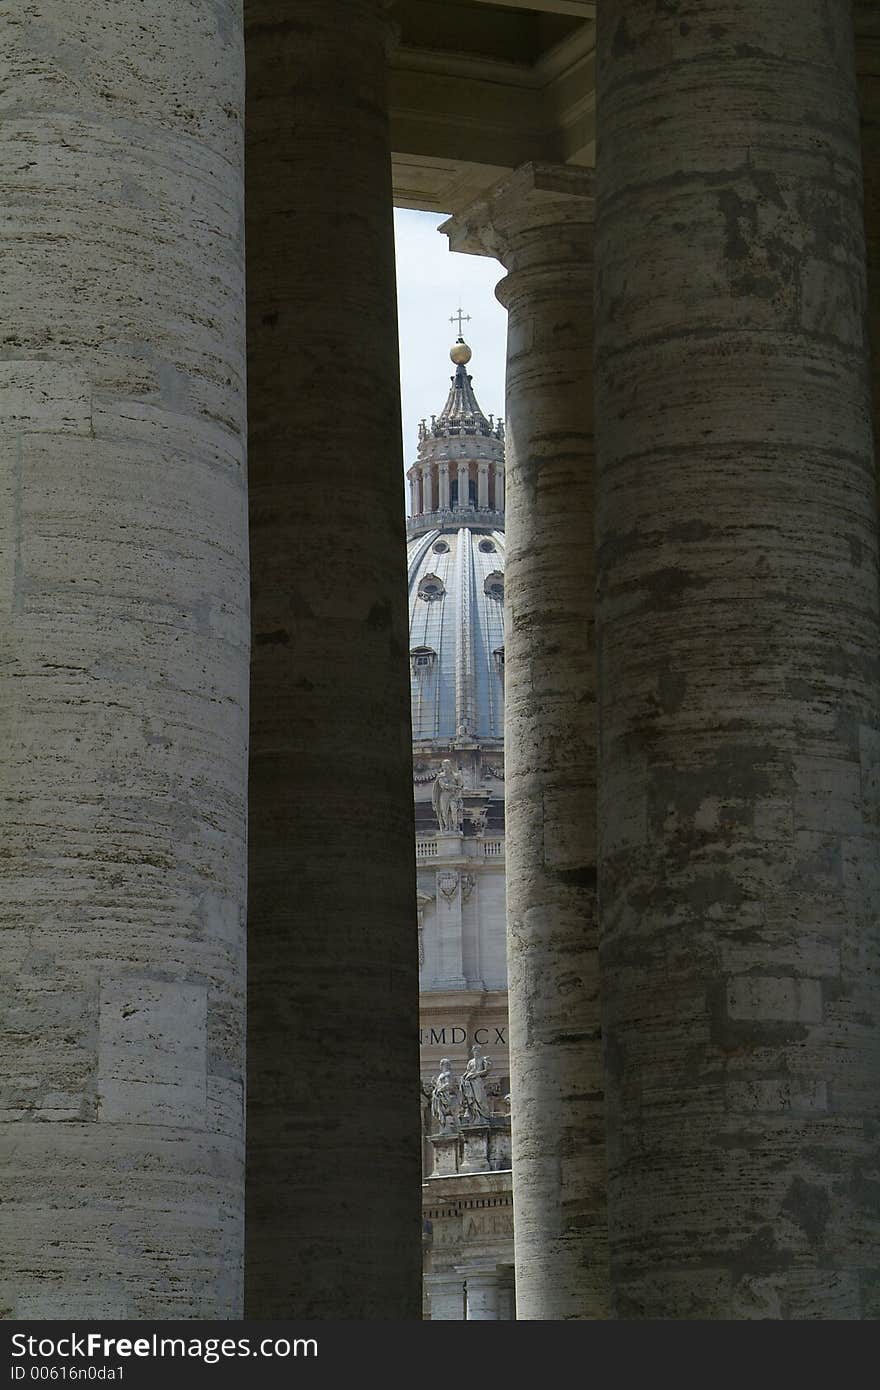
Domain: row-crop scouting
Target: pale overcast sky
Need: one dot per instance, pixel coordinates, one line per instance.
(430, 281)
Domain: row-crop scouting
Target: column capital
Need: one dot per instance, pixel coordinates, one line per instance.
(535, 198)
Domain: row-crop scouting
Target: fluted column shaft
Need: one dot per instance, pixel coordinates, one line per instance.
(124, 609)
(333, 1156)
(538, 223)
(738, 613)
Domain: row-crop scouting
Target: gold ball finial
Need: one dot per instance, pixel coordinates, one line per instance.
(460, 353)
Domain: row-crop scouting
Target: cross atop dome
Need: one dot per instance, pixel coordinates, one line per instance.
(462, 318)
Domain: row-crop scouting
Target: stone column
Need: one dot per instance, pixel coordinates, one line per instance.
(499, 488)
(413, 494)
(427, 489)
(538, 223)
(483, 485)
(867, 27)
(124, 610)
(443, 471)
(738, 607)
(463, 490)
(333, 1160)
(446, 1297)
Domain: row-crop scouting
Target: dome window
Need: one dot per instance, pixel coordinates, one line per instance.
(422, 660)
(498, 658)
(494, 586)
(440, 548)
(487, 547)
(431, 588)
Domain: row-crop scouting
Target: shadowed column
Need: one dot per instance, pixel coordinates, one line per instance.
(333, 1080)
(124, 609)
(740, 751)
(867, 26)
(539, 224)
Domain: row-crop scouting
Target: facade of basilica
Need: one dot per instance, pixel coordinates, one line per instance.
(456, 603)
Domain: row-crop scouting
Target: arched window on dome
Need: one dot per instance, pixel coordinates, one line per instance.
(431, 588)
(494, 585)
(422, 661)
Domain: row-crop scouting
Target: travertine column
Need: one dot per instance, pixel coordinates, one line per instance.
(499, 488)
(334, 1223)
(867, 25)
(125, 638)
(413, 495)
(538, 223)
(740, 752)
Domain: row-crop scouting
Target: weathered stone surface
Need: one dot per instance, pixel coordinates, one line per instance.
(737, 527)
(539, 224)
(867, 35)
(333, 1158)
(125, 637)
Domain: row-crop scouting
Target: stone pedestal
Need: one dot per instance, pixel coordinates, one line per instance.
(446, 1297)
(738, 606)
(538, 223)
(475, 1149)
(124, 615)
(482, 1294)
(445, 1147)
(334, 1163)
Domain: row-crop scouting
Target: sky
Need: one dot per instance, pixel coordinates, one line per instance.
(431, 282)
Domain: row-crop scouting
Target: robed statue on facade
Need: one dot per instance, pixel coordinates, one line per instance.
(475, 1104)
(446, 796)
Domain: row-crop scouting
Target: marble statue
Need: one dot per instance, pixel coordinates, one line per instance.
(443, 1096)
(446, 797)
(472, 1088)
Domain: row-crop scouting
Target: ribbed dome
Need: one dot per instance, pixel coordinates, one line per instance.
(456, 635)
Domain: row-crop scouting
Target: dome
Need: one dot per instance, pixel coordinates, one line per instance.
(456, 635)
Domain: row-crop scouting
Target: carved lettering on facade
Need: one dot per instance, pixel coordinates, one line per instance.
(494, 1224)
(453, 1035)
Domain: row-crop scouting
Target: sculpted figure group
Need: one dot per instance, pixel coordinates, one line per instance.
(469, 1099)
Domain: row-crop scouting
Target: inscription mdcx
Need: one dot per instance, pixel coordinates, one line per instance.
(454, 1037)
